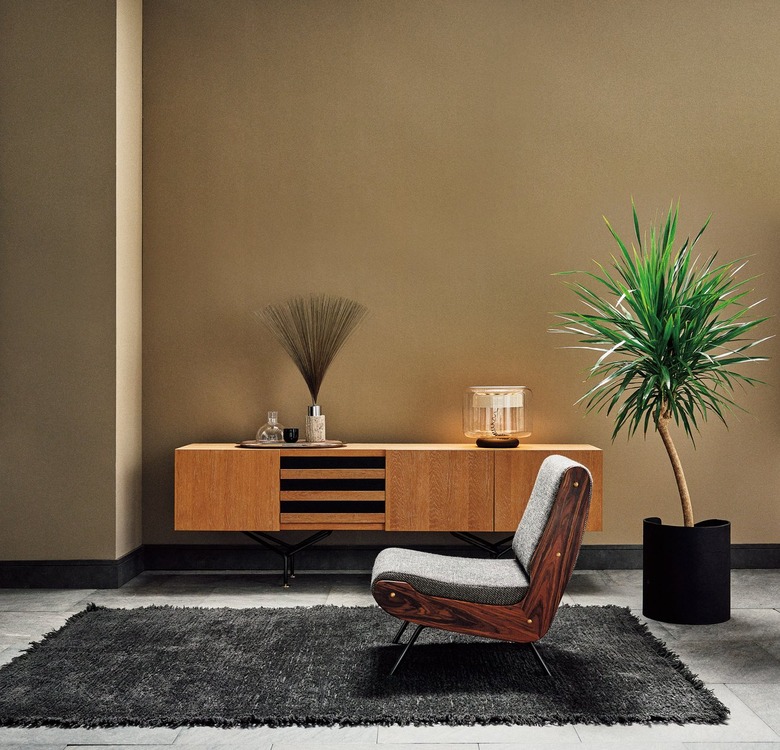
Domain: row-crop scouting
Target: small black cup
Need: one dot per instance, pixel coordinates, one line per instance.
(290, 434)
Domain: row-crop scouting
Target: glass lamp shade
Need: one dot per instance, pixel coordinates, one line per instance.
(497, 416)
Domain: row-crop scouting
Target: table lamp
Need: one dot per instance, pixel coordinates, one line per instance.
(497, 416)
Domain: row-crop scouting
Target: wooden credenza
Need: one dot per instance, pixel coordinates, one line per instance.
(388, 487)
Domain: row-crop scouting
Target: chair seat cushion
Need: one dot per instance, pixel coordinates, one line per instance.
(467, 579)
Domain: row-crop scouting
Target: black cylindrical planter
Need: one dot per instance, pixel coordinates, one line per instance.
(687, 572)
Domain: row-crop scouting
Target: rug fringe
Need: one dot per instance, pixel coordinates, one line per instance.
(34, 645)
(662, 649)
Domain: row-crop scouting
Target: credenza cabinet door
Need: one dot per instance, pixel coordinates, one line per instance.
(515, 476)
(439, 490)
(227, 490)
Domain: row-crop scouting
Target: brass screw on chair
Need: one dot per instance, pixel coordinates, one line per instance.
(392, 594)
(557, 554)
(530, 621)
(576, 484)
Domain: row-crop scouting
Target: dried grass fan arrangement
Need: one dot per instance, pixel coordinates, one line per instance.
(312, 330)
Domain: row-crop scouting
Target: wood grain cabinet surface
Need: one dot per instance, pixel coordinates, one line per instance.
(516, 472)
(439, 490)
(391, 487)
(219, 488)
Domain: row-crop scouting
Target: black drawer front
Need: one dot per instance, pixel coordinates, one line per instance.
(332, 462)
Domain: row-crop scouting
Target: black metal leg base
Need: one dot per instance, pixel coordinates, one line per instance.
(419, 629)
(540, 659)
(416, 633)
(400, 632)
(496, 549)
(286, 550)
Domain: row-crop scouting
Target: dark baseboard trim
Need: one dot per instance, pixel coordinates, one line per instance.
(111, 574)
(610, 557)
(355, 558)
(755, 556)
(71, 574)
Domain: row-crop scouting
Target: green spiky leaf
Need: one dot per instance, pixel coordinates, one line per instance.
(671, 332)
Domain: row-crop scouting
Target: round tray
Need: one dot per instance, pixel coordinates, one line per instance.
(285, 446)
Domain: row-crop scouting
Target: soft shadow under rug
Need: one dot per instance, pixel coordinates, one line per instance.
(167, 666)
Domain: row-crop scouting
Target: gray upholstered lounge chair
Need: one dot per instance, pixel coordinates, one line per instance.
(512, 599)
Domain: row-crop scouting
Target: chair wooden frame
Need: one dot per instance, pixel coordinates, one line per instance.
(549, 572)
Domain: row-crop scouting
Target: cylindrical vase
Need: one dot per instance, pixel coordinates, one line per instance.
(315, 425)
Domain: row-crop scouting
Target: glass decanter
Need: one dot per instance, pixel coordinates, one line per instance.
(271, 431)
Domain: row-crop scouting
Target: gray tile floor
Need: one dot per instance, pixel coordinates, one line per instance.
(739, 660)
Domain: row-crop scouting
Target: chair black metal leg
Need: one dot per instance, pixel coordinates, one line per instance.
(417, 632)
(540, 659)
(398, 635)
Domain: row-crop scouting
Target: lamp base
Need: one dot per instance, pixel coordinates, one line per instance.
(498, 442)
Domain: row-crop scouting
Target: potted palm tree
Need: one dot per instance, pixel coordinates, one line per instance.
(670, 329)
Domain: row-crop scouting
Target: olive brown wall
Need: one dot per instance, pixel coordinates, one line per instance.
(70, 399)
(439, 161)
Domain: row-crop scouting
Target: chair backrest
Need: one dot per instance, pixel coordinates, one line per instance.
(548, 539)
(537, 512)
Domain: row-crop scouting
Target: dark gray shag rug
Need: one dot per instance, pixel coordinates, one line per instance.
(168, 666)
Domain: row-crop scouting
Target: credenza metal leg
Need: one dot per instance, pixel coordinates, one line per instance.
(496, 549)
(286, 550)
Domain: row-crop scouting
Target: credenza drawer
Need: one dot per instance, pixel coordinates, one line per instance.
(332, 492)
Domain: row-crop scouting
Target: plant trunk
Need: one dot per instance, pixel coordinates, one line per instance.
(682, 485)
